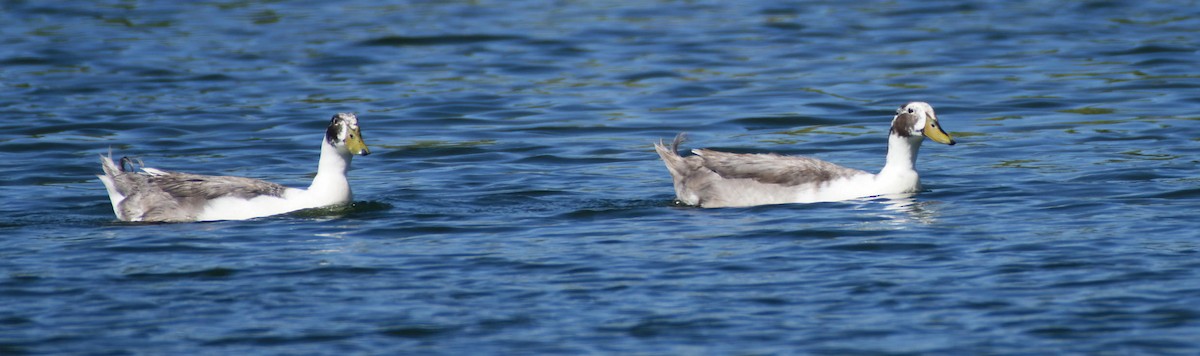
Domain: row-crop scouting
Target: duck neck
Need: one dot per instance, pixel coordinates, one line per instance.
(331, 173)
(902, 153)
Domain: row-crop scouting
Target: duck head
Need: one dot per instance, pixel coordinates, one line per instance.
(343, 132)
(918, 118)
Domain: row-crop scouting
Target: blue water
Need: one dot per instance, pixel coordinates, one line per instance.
(513, 203)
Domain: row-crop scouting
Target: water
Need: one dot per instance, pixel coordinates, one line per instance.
(513, 203)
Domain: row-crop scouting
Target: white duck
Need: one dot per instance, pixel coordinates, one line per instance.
(158, 195)
(713, 179)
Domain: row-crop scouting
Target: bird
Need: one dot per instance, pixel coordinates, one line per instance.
(714, 179)
(155, 195)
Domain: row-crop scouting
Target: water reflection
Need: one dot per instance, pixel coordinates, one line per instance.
(905, 209)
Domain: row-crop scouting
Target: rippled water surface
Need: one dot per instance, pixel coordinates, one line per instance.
(514, 204)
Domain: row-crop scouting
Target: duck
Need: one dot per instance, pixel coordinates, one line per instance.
(715, 179)
(156, 195)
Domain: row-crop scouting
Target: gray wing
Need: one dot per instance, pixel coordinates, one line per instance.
(187, 185)
(159, 195)
(773, 168)
(181, 196)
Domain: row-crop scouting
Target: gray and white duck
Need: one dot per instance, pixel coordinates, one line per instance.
(714, 179)
(164, 196)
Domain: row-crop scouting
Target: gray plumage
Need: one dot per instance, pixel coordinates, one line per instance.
(172, 196)
(903, 123)
(772, 168)
(714, 178)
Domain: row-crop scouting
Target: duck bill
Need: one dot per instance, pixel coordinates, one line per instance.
(355, 144)
(934, 132)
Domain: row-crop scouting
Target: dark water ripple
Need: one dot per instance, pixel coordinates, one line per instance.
(513, 203)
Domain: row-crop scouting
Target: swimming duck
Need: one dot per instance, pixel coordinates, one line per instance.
(158, 195)
(714, 179)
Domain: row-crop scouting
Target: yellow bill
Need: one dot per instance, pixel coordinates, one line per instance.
(355, 144)
(934, 132)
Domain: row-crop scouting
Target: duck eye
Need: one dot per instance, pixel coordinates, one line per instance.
(910, 110)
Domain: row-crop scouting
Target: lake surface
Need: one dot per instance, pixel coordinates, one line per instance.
(513, 203)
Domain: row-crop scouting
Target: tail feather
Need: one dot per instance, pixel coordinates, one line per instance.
(670, 156)
(682, 136)
(111, 171)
